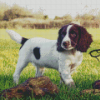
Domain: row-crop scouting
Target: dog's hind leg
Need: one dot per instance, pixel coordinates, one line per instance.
(22, 62)
(39, 71)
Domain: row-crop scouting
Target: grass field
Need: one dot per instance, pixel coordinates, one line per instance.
(87, 73)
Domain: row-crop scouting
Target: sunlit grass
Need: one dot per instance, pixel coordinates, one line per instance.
(86, 74)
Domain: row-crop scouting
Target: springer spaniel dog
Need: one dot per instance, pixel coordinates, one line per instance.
(63, 54)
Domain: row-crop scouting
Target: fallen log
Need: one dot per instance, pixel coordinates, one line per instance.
(95, 90)
(96, 84)
(91, 91)
(34, 87)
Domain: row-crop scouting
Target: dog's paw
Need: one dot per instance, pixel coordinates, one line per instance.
(15, 79)
(71, 85)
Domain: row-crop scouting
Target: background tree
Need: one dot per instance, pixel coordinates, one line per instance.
(88, 17)
(16, 12)
(3, 8)
(46, 17)
(67, 16)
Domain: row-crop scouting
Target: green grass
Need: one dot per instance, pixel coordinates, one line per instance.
(87, 73)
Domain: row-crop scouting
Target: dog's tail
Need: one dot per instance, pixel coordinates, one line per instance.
(16, 37)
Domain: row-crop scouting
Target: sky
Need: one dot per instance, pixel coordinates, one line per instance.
(60, 8)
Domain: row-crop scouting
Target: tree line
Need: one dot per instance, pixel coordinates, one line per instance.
(19, 17)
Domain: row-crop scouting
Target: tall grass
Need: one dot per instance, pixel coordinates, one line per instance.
(85, 75)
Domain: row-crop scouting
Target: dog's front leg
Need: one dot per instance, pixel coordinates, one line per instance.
(64, 69)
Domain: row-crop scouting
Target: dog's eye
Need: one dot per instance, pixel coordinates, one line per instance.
(73, 34)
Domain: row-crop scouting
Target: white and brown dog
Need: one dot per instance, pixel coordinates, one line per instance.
(63, 54)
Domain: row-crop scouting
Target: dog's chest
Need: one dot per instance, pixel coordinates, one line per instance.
(72, 59)
(75, 59)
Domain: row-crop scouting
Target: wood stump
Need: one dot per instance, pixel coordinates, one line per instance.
(91, 91)
(96, 84)
(35, 87)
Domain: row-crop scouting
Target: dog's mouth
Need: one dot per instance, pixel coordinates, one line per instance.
(67, 47)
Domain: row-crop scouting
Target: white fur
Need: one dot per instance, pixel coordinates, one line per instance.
(67, 39)
(50, 58)
(14, 36)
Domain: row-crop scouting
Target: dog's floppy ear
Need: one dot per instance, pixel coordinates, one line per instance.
(85, 39)
(59, 40)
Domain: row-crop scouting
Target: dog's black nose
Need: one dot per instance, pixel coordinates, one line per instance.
(66, 43)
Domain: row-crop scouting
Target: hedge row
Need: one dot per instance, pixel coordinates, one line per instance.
(35, 24)
(90, 24)
(45, 24)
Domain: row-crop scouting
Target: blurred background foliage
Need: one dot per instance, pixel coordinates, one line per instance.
(19, 17)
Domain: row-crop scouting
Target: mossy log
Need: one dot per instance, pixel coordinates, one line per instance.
(34, 87)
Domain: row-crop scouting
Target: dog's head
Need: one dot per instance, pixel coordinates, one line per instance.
(73, 36)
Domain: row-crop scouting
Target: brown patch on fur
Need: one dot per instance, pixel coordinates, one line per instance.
(72, 66)
(42, 68)
(73, 51)
(85, 39)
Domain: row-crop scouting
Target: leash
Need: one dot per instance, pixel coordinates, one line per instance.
(95, 56)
